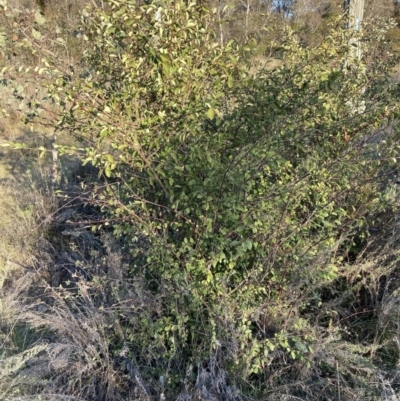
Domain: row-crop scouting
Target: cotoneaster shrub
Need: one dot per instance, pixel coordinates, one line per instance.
(242, 199)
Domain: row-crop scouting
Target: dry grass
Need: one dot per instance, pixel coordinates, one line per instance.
(53, 341)
(22, 206)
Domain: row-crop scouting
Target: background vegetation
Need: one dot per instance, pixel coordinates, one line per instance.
(216, 227)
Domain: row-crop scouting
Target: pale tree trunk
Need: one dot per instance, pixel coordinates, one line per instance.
(355, 12)
(246, 28)
(220, 22)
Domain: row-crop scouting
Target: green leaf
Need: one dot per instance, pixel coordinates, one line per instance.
(39, 18)
(104, 133)
(230, 81)
(36, 34)
(211, 113)
(301, 347)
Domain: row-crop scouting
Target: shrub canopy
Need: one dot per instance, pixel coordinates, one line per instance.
(243, 198)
